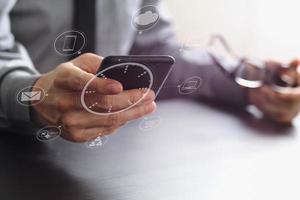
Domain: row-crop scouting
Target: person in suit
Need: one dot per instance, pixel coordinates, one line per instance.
(27, 59)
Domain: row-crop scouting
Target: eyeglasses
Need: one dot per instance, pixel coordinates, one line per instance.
(250, 73)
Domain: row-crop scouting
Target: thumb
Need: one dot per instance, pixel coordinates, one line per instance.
(88, 62)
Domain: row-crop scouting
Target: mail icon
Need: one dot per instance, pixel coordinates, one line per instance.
(31, 96)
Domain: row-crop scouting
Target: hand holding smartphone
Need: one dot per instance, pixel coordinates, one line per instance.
(139, 75)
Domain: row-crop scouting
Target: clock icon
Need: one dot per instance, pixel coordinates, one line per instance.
(131, 75)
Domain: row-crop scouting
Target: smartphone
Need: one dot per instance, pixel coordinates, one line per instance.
(137, 72)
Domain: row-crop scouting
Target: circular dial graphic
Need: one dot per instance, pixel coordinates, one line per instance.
(130, 75)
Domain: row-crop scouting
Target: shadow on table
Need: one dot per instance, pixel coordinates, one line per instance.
(28, 169)
(261, 126)
(26, 172)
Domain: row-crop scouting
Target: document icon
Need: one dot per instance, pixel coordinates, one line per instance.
(31, 96)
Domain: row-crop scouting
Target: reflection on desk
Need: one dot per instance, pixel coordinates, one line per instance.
(196, 152)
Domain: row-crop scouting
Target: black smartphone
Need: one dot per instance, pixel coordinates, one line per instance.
(137, 72)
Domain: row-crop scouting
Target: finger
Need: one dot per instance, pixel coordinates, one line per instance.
(83, 135)
(71, 101)
(275, 98)
(273, 110)
(285, 111)
(86, 120)
(88, 62)
(289, 75)
(292, 95)
(260, 101)
(124, 117)
(286, 75)
(265, 106)
(74, 79)
(93, 133)
(117, 102)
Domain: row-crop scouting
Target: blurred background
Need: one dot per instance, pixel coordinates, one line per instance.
(265, 29)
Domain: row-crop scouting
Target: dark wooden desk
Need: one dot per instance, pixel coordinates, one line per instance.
(196, 153)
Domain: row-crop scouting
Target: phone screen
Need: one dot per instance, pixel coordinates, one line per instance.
(137, 72)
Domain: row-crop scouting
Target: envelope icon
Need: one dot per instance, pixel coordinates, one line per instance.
(31, 96)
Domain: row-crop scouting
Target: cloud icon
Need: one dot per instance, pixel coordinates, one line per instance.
(146, 18)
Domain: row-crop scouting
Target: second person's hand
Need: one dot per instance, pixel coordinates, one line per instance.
(279, 107)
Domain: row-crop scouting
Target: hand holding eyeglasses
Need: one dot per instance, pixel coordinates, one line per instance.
(272, 87)
(281, 101)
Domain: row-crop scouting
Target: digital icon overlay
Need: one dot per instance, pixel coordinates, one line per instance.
(31, 96)
(98, 142)
(149, 123)
(145, 18)
(134, 74)
(70, 43)
(190, 85)
(48, 133)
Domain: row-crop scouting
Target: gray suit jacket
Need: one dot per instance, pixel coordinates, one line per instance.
(29, 28)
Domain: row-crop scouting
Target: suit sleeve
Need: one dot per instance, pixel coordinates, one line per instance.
(16, 71)
(161, 39)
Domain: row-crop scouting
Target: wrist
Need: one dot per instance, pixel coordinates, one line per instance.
(12, 86)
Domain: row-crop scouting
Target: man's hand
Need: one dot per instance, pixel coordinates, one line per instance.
(280, 107)
(63, 106)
